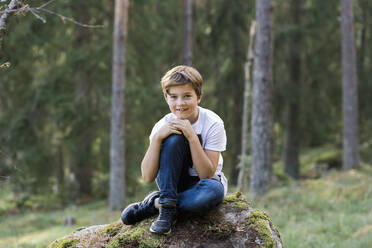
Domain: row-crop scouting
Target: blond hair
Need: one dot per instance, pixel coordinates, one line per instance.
(180, 75)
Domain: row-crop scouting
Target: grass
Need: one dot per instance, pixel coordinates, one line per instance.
(39, 229)
(332, 211)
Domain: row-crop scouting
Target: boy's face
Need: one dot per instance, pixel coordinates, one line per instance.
(183, 102)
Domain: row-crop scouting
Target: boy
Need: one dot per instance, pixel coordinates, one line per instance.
(184, 155)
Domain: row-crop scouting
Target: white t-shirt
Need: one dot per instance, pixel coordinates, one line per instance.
(212, 131)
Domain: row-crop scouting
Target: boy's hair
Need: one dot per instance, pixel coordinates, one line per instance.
(180, 75)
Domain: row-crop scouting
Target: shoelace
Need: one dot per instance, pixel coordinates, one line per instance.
(167, 213)
(146, 208)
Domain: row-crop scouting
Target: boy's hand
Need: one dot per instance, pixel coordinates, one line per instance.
(184, 126)
(166, 130)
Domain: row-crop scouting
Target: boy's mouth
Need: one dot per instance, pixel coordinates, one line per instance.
(181, 110)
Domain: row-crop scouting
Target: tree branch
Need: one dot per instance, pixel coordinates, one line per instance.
(65, 18)
(14, 4)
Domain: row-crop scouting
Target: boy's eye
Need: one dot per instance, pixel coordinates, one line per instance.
(187, 95)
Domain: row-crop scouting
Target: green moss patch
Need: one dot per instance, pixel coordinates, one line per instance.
(112, 229)
(238, 199)
(138, 236)
(70, 243)
(258, 221)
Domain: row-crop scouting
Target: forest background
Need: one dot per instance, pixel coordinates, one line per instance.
(55, 90)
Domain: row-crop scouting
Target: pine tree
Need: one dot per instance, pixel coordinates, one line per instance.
(117, 148)
(261, 132)
(350, 91)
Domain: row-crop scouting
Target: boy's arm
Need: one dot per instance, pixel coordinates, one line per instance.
(150, 162)
(205, 161)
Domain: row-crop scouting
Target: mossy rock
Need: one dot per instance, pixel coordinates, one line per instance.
(316, 162)
(232, 224)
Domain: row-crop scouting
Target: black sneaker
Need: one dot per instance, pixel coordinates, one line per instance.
(165, 220)
(139, 211)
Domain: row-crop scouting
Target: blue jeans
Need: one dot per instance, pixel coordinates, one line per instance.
(175, 183)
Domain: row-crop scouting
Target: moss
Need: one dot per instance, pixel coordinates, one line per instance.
(221, 227)
(138, 236)
(69, 243)
(258, 221)
(112, 229)
(237, 199)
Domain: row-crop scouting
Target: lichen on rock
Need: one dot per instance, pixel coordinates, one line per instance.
(232, 224)
(68, 243)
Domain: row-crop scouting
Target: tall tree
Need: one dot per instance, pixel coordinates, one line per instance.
(350, 157)
(246, 110)
(187, 27)
(117, 147)
(291, 143)
(261, 123)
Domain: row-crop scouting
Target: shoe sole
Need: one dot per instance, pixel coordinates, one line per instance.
(150, 195)
(165, 233)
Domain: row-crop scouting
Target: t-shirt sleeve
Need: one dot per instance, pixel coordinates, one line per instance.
(156, 128)
(216, 138)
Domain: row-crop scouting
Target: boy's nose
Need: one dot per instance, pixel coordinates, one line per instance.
(180, 102)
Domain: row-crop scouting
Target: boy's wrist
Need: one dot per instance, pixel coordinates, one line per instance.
(193, 138)
(157, 138)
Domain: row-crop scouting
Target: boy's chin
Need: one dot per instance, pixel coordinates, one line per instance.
(181, 117)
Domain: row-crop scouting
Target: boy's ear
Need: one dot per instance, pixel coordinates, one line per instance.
(200, 97)
(165, 95)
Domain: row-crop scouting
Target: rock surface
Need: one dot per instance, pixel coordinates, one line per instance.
(233, 224)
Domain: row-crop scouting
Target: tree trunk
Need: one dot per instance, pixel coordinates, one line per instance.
(117, 148)
(291, 144)
(261, 133)
(246, 110)
(187, 27)
(350, 94)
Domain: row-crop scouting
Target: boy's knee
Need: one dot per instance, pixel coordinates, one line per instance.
(210, 195)
(175, 140)
(203, 205)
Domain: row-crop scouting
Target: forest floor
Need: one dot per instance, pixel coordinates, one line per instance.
(331, 211)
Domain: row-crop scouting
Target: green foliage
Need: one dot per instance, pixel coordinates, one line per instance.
(12, 202)
(99, 184)
(316, 162)
(55, 97)
(319, 212)
(331, 211)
